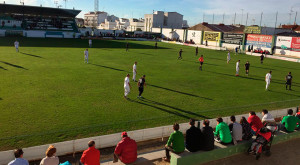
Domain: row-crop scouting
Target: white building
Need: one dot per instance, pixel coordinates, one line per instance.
(94, 19)
(136, 24)
(123, 23)
(160, 19)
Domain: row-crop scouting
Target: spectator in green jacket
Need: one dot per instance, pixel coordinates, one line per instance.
(175, 143)
(290, 122)
(222, 133)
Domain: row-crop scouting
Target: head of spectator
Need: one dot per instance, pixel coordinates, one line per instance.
(18, 153)
(290, 112)
(192, 122)
(124, 134)
(91, 143)
(232, 119)
(251, 113)
(176, 127)
(219, 120)
(243, 120)
(264, 112)
(51, 151)
(206, 123)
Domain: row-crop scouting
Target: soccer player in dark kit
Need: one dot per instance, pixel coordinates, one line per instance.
(155, 45)
(180, 55)
(127, 47)
(247, 67)
(262, 58)
(141, 85)
(288, 79)
(197, 51)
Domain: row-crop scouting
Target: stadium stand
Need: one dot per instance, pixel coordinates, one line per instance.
(21, 17)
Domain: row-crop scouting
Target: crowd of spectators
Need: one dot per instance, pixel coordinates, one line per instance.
(196, 139)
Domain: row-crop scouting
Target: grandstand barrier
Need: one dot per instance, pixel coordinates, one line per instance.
(105, 141)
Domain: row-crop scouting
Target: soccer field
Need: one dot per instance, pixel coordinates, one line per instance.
(48, 94)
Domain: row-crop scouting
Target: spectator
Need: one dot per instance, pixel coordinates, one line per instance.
(50, 158)
(236, 130)
(208, 136)
(19, 158)
(290, 122)
(267, 117)
(246, 129)
(91, 156)
(126, 150)
(175, 143)
(222, 134)
(254, 122)
(193, 138)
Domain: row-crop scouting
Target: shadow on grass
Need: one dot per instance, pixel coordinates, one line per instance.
(290, 94)
(74, 43)
(1, 98)
(159, 108)
(107, 67)
(31, 55)
(13, 65)
(188, 94)
(175, 108)
(253, 78)
(2, 68)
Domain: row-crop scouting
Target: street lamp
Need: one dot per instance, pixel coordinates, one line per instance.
(242, 16)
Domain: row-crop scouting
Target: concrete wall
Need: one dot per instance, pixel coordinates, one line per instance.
(34, 34)
(166, 33)
(194, 35)
(67, 147)
(179, 33)
(230, 46)
(156, 30)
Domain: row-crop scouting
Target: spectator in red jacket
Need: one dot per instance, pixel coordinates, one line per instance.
(254, 121)
(126, 150)
(91, 156)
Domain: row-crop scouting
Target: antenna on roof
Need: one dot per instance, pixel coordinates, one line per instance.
(56, 3)
(65, 3)
(96, 5)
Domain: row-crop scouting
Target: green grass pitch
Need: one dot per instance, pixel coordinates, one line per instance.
(48, 94)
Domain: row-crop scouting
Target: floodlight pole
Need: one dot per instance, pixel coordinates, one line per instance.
(247, 20)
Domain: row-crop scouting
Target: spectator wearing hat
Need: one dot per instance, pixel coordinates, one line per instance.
(19, 158)
(126, 150)
(91, 156)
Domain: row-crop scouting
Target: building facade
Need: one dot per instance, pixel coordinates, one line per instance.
(160, 19)
(94, 19)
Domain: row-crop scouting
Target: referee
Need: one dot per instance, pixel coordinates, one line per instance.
(141, 85)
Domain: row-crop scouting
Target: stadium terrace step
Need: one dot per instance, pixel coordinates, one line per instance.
(145, 159)
(222, 151)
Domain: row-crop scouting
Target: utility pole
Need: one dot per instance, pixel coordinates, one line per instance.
(65, 3)
(223, 18)
(295, 22)
(96, 5)
(276, 19)
(242, 16)
(56, 3)
(261, 18)
(203, 17)
(234, 18)
(213, 19)
(247, 20)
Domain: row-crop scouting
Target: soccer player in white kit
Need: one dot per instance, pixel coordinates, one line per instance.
(17, 46)
(86, 56)
(237, 68)
(268, 79)
(228, 57)
(134, 71)
(90, 43)
(127, 86)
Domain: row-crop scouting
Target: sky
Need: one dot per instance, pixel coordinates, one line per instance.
(194, 11)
